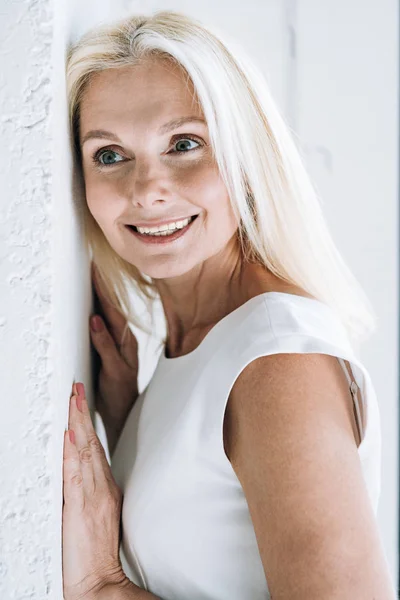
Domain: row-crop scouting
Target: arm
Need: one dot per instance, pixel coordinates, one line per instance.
(290, 439)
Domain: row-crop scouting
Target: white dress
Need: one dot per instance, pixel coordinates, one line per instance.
(187, 531)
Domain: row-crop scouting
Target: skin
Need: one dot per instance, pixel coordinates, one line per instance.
(201, 277)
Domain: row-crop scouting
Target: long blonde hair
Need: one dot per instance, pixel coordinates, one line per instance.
(281, 222)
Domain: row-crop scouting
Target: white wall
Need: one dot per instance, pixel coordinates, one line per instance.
(332, 68)
(27, 408)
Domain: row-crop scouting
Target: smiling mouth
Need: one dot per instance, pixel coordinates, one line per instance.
(161, 233)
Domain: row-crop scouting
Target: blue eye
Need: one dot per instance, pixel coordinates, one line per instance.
(184, 140)
(107, 156)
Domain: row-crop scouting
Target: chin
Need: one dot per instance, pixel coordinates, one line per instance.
(165, 268)
(166, 272)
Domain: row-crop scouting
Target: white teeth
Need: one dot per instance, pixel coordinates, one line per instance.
(164, 229)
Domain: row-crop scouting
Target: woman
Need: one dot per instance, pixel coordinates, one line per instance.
(249, 467)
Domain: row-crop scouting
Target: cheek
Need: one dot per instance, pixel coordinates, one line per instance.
(98, 199)
(210, 193)
(205, 187)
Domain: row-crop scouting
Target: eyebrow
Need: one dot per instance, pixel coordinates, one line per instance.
(174, 124)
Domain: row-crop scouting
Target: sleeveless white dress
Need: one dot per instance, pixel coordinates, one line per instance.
(186, 528)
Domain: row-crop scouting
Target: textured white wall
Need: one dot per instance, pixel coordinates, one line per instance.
(27, 409)
(333, 70)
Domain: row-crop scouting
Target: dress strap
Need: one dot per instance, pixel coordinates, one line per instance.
(354, 389)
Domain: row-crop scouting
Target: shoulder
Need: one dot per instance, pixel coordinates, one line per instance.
(291, 393)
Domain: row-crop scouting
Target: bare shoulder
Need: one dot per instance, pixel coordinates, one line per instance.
(289, 435)
(286, 388)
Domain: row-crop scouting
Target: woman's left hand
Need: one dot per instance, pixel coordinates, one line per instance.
(91, 510)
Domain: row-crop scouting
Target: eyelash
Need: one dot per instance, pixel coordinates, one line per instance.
(98, 153)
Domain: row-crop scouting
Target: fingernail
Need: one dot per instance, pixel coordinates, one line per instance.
(71, 436)
(96, 323)
(81, 389)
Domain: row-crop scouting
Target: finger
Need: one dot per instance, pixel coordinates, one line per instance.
(77, 423)
(101, 469)
(105, 345)
(129, 348)
(72, 476)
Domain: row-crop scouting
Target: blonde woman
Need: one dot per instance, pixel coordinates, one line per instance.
(249, 467)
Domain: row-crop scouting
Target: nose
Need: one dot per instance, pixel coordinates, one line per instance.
(148, 185)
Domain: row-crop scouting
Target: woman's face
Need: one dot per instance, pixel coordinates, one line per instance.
(139, 167)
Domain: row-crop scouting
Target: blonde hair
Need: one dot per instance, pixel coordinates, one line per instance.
(281, 222)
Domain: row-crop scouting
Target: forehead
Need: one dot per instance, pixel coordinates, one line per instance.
(151, 90)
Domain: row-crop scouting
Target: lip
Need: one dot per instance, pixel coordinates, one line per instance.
(160, 223)
(162, 239)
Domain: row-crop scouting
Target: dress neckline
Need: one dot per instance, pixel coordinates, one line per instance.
(234, 314)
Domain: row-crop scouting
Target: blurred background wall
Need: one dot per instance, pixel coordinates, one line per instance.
(333, 69)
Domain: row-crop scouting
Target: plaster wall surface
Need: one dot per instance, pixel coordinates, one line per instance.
(27, 417)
